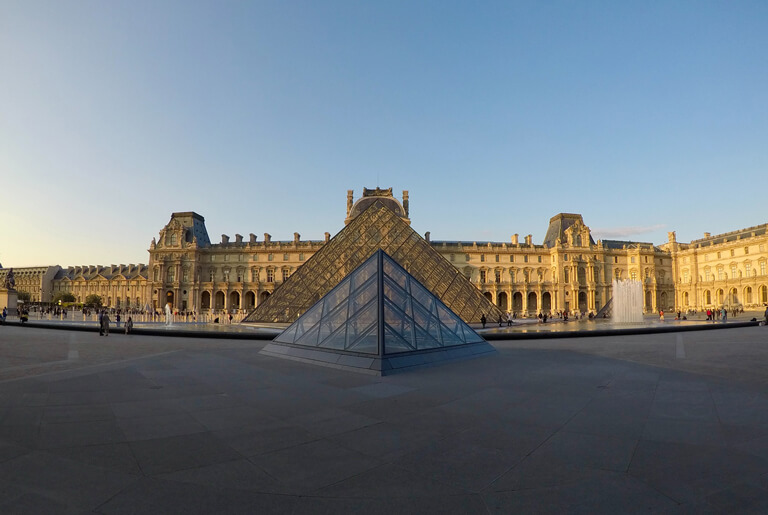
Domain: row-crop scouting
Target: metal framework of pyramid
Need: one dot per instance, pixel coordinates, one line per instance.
(375, 228)
(378, 319)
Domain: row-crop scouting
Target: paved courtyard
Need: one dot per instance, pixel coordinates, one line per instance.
(667, 423)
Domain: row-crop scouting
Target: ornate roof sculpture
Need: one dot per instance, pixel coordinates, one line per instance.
(378, 227)
(378, 319)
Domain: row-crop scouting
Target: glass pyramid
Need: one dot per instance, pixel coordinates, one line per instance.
(379, 309)
(376, 228)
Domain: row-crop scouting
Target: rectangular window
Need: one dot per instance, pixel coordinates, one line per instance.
(646, 259)
(185, 277)
(226, 257)
(239, 257)
(525, 259)
(632, 260)
(255, 257)
(270, 257)
(718, 255)
(762, 268)
(719, 274)
(482, 258)
(615, 259)
(286, 274)
(685, 276)
(539, 259)
(762, 248)
(511, 259)
(733, 252)
(270, 276)
(466, 256)
(565, 257)
(498, 276)
(746, 250)
(567, 276)
(482, 276)
(497, 258)
(301, 257)
(748, 268)
(633, 274)
(285, 257)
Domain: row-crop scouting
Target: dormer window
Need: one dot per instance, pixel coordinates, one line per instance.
(173, 239)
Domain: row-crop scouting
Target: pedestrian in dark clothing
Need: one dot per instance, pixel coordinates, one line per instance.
(483, 320)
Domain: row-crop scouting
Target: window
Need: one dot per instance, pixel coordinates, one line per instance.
(213, 257)
(285, 257)
(566, 276)
(762, 248)
(226, 257)
(748, 268)
(239, 277)
(255, 257)
(719, 274)
(733, 252)
(270, 257)
(762, 267)
(615, 259)
(482, 276)
(497, 258)
(706, 275)
(254, 275)
(173, 239)
(746, 250)
(525, 259)
(632, 259)
(239, 257)
(733, 271)
(301, 257)
(685, 276)
(185, 275)
(466, 256)
(482, 258)
(646, 259)
(511, 258)
(156, 274)
(633, 274)
(565, 257)
(525, 275)
(210, 275)
(498, 275)
(270, 276)
(286, 274)
(539, 259)
(718, 255)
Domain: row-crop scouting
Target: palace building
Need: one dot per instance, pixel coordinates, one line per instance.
(568, 271)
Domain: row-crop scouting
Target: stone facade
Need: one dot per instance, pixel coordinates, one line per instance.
(37, 281)
(569, 270)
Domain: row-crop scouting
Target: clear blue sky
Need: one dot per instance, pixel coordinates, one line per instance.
(645, 117)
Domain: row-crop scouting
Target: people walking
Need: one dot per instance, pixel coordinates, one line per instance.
(101, 323)
(105, 323)
(725, 315)
(483, 320)
(128, 325)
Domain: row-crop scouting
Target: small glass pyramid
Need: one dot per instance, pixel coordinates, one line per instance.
(379, 309)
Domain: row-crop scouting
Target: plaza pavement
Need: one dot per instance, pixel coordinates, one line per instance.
(667, 423)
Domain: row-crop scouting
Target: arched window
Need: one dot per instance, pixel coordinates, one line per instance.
(173, 239)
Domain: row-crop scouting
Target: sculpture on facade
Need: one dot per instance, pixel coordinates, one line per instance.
(10, 280)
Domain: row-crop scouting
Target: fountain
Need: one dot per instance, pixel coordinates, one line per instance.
(168, 315)
(627, 302)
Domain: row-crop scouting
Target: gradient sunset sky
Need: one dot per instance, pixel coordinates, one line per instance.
(645, 117)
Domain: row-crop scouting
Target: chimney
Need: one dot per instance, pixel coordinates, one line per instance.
(515, 239)
(707, 234)
(327, 237)
(224, 238)
(529, 239)
(427, 236)
(253, 238)
(238, 238)
(350, 198)
(296, 237)
(267, 237)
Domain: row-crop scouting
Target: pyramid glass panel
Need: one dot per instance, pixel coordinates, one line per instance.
(375, 228)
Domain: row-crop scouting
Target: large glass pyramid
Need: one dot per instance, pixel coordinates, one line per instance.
(380, 311)
(376, 228)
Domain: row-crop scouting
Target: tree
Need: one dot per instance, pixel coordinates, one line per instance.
(23, 296)
(63, 296)
(93, 301)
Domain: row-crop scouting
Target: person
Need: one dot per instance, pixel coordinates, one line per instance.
(661, 315)
(483, 320)
(101, 323)
(117, 320)
(499, 320)
(766, 314)
(725, 315)
(105, 321)
(509, 318)
(128, 325)
(5, 313)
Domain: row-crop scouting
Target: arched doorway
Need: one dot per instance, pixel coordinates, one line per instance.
(733, 297)
(250, 300)
(582, 302)
(648, 301)
(264, 296)
(502, 302)
(488, 296)
(517, 302)
(546, 302)
(169, 298)
(219, 300)
(720, 296)
(748, 295)
(685, 299)
(707, 297)
(532, 303)
(234, 300)
(205, 300)
(663, 304)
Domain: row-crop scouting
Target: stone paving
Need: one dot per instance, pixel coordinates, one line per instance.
(665, 423)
